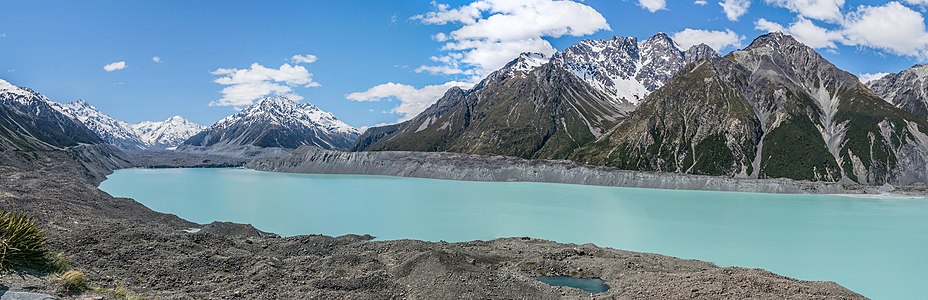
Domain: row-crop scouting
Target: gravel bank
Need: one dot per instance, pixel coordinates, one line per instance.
(118, 241)
(457, 166)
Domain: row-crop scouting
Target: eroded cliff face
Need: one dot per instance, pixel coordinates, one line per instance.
(456, 166)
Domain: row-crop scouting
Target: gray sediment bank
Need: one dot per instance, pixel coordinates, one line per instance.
(455, 166)
(119, 242)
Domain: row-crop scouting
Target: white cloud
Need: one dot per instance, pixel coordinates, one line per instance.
(868, 77)
(303, 59)
(116, 66)
(718, 40)
(892, 27)
(768, 26)
(823, 10)
(653, 5)
(156, 59)
(805, 31)
(245, 86)
(734, 9)
(412, 100)
(917, 2)
(700, 2)
(493, 32)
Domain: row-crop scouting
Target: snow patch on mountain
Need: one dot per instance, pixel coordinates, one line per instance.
(626, 69)
(111, 130)
(166, 134)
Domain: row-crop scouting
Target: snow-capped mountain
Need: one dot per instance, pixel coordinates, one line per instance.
(907, 90)
(278, 122)
(626, 69)
(526, 62)
(166, 134)
(111, 130)
(28, 122)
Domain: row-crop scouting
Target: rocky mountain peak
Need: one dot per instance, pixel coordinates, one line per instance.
(278, 121)
(526, 62)
(775, 40)
(907, 90)
(699, 52)
(625, 69)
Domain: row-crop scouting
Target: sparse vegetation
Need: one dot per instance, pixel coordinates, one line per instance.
(57, 262)
(22, 243)
(120, 292)
(72, 281)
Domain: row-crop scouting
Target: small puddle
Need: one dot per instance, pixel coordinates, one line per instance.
(592, 285)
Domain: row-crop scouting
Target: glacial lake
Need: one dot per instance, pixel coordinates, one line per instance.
(875, 246)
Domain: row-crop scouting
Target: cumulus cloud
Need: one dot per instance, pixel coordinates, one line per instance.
(653, 5)
(768, 26)
(734, 9)
(412, 100)
(245, 86)
(116, 66)
(718, 40)
(917, 2)
(493, 32)
(868, 77)
(805, 31)
(156, 59)
(700, 2)
(823, 10)
(892, 27)
(303, 59)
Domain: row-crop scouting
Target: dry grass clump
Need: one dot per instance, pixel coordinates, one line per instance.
(72, 281)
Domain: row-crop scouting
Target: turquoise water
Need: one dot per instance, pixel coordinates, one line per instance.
(592, 285)
(877, 247)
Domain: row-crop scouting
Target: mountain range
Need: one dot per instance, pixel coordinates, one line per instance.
(28, 122)
(130, 137)
(542, 109)
(775, 109)
(277, 122)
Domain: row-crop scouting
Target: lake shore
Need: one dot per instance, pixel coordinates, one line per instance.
(455, 166)
(119, 242)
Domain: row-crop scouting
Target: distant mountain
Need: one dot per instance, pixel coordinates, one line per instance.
(774, 109)
(530, 108)
(29, 123)
(540, 108)
(111, 130)
(907, 90)
(166, 134)
(627, 70)
(277, 122)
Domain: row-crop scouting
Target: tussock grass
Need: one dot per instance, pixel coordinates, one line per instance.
(22, 243)
(72, 281)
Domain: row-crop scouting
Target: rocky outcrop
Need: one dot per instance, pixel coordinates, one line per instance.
(775, 109)
(907, 90)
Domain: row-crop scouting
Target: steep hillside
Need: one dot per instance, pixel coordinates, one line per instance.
(775, 109)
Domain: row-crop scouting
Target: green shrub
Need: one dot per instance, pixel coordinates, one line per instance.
(22, 243)
(72, 281)
(57, 262)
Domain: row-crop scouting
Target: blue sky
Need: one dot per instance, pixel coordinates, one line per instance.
(59, 48)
